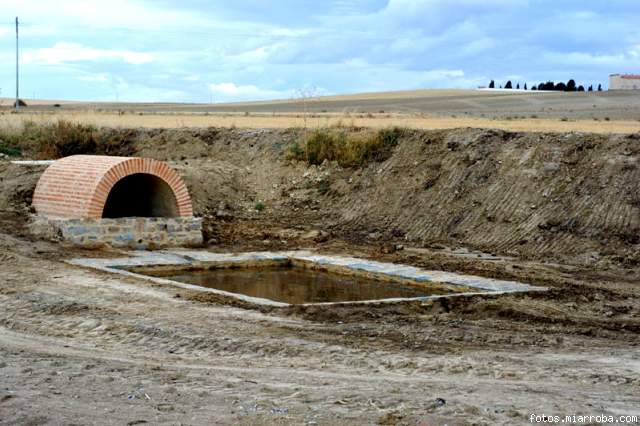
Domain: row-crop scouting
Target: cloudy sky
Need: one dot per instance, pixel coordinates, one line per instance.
(215, 50)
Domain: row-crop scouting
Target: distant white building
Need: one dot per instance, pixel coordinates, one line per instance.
(624, 82)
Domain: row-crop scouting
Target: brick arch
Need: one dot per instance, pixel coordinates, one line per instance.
(78, 186)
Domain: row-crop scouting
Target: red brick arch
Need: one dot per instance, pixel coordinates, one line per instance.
(78, 186)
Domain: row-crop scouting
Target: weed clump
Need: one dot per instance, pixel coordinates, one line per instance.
(347, 149)
(64, 138)
(9, 150)
(61, 139)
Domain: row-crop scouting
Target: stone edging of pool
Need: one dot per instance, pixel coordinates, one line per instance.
(195, 259)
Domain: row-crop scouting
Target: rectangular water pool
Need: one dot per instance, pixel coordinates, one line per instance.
(295, 285)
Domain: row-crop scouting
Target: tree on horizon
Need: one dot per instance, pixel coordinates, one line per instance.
(549, 85)
(561, 87)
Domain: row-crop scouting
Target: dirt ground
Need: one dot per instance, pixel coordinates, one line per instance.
(550, 209)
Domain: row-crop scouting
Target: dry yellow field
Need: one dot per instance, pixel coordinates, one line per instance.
(270, 121)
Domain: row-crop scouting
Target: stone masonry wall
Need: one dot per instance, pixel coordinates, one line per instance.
(619, 82)
(138, 233)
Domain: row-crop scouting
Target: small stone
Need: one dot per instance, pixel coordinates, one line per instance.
(388, 248)
(222, 214)
(316, 235)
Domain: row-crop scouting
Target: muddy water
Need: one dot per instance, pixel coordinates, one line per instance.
(297, 286)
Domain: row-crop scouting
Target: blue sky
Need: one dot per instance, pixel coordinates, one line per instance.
(198, 51)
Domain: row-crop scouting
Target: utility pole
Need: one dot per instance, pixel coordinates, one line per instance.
(17, 70)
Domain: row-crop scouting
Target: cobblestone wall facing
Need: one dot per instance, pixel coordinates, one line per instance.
(139, 233)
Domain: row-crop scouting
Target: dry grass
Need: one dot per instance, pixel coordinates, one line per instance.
(270, 121)
(59, 139)
(346, 148)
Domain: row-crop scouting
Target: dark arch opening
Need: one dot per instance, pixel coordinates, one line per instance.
(140, 195)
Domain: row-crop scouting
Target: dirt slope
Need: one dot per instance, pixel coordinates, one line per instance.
(519, 194)
(573, 198)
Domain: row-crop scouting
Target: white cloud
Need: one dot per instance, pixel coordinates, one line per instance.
(73, 52)
(356, 63)
(94, 78)
(233, 89)
(480, 45)
(288, 32)
(258, 55)
(100, 14)
(443, 74)
(584, 59)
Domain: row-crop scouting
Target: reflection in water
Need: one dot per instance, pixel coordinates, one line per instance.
(297, 285)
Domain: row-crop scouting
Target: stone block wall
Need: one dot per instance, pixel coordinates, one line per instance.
(137, 233)
(624, 82)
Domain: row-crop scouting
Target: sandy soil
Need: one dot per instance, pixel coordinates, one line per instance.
(81, 347)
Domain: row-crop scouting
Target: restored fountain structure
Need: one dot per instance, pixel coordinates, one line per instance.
(92, 200)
